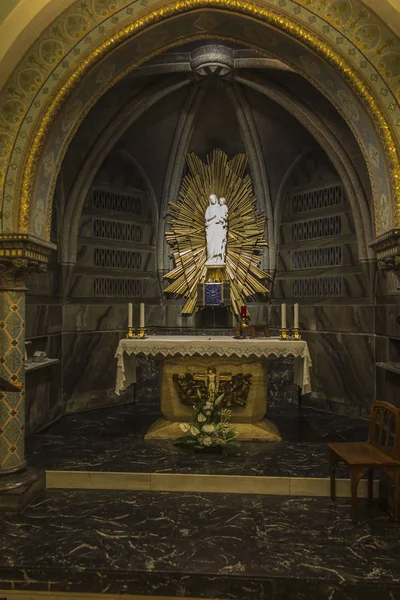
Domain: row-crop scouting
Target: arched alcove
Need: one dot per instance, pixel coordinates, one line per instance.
(319, 268)
(130, 149)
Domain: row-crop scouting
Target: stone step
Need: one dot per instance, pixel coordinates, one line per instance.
(208, 483)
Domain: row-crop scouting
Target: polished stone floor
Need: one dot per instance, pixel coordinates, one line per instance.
(197, 545)
(225, 546)
(112, 440)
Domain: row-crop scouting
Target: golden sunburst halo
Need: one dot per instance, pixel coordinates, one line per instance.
(246, 230)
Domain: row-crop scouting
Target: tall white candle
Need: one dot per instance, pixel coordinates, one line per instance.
(283, 316)
(296, 316)
(141, 318)
(130, 315)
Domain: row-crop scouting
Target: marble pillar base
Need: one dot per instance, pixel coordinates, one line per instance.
(263, 431)
(17, 491)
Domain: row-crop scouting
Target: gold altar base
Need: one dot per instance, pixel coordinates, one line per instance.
(263, 431)
(247, 420)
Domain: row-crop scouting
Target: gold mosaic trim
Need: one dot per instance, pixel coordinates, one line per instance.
(283, 23)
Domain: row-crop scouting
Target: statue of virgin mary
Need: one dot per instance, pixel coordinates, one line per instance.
(216, 226)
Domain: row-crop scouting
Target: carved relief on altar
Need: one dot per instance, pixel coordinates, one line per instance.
(234, 387)
(243, 383)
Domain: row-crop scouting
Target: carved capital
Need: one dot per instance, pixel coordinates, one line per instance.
(387, 248)
(21, 255)
(14, 272)
(391, 263)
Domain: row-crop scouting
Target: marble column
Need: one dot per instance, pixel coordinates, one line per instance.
(18, 483)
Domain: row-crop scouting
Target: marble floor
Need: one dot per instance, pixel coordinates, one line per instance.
(224, 546)
(112, 440)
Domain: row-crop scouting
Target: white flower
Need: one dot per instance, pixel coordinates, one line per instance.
(208, 413)
(185, 427)
(208, 428)
(194, 430)
(201, 418)
(207, 441)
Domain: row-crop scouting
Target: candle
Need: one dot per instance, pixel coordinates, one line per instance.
(283, 316)
(243, 312)
(130, 315)
(141, 318)
(296, 316)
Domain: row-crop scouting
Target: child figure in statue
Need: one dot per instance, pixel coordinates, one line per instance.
(224, 219)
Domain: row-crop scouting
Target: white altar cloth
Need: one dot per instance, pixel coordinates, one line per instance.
(223, 346)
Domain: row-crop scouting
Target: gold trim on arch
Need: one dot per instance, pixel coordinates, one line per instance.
(247, 8)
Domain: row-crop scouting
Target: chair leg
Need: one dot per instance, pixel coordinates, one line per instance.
(370, 485)
(332, 470)
(354, 480)
(396, 495)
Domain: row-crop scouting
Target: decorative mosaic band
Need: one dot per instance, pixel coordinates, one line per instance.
(12, 356)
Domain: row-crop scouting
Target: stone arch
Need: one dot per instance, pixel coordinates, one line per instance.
(175, 167)
(256, 21)
(334, 151)
(109, 136)
(257, 166)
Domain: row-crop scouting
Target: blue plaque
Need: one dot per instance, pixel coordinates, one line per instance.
(213, 294)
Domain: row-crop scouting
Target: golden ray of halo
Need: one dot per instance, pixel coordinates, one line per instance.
(246, 228)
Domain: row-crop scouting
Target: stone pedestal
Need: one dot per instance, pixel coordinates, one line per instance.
(248, 420)
(18, 490)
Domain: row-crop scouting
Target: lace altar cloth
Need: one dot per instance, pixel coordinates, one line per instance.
(163, 346)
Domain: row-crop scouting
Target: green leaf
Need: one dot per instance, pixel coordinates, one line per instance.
(218, 400)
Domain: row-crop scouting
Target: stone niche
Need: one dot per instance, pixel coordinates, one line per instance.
(117, 251)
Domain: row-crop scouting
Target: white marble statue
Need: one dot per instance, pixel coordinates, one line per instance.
(216, 226)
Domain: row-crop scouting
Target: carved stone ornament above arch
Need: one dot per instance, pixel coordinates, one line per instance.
(340, 46)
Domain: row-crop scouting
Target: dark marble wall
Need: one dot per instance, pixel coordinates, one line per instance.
(387, 329)
(342, 347)
(84, 339)
(346, 343)
(44, 333)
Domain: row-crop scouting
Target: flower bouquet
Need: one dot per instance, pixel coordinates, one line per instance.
(210, 428)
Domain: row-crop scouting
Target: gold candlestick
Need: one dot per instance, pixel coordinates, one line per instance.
(284, 334)
(131, 333)
(141, 334)
(296, 334)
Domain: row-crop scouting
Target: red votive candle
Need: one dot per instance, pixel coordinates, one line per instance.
(243, 311)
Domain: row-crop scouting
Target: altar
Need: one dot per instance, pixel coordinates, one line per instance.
(240, 369)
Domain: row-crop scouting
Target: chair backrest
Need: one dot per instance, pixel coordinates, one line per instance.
(384, 431)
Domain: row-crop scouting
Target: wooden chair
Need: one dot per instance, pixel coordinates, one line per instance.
(381, 451)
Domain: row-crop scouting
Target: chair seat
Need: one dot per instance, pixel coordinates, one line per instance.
(362, 454)
(381, 451)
